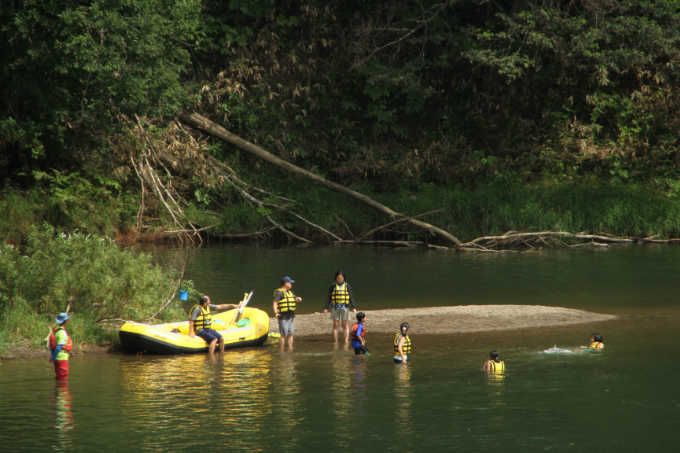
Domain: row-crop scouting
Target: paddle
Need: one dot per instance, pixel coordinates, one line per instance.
(242, 305)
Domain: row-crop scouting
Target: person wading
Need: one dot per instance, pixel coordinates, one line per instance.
(494, 366)
(200, 322)
(402, 344)
(340, 301)
(60, 345)
(359, 335)
(285, 304)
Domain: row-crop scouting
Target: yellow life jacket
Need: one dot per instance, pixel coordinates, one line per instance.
(497, 367)
(204, 319)
(596, 345)
(340, 296)
(407, 347)
(287, 303)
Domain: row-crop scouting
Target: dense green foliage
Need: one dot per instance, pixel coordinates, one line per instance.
(422, 105)
(100, 280)
(72, 70)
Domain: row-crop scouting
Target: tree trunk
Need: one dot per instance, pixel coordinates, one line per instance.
(212, 128)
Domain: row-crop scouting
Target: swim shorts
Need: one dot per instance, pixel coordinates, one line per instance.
(286, 325)
(341, 314)
(209, 335)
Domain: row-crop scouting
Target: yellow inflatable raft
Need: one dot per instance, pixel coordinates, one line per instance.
(173, 338)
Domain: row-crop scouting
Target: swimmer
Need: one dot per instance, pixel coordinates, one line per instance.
(596, 342)
(494, 365)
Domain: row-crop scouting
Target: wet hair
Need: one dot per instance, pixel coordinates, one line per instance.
(339, 272)
(494, 355)
(204, 299)
(402, 325)
(597, 337)
(360, 316)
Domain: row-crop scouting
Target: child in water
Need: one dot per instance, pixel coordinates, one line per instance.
(358, 334)
(596, 342)
(402, 344)
(494, 365)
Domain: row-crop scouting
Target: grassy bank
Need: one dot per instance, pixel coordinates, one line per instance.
(494, 208)
(99, 281)
(502, 205)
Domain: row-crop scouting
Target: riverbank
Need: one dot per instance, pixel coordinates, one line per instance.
(454, 319)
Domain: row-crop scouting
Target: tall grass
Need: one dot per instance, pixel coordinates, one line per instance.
(494, 208)
(100, 280)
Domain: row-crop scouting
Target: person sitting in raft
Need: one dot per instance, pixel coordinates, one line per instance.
(200, 322)
(359, 335)
(494, 365)
(60, 345)
(340, 301)
(402, 344)
(596, 342)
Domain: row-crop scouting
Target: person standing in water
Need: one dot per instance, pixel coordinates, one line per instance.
(60, 345)
(402, 344)
(340, 301)
(494, 366)
(359, 335)
(596, 342)
(285, 304)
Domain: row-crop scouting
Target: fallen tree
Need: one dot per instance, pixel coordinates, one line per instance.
(214, 129)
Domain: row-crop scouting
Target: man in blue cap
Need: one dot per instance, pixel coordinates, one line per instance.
(60, 345)
(285, 304)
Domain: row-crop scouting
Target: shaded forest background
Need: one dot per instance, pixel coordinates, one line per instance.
(498, 115)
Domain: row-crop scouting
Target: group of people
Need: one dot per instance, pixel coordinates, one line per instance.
(496, 367)
(340, 302)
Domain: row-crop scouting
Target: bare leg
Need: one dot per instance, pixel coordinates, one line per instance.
(290, 343)
(211, 348)
(335, 330)
(282, 342)
(221, 344)
(345, 326)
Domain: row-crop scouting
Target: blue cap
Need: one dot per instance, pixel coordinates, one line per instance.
(62, 318)
(287, 279)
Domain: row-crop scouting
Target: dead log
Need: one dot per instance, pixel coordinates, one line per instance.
(212, 128)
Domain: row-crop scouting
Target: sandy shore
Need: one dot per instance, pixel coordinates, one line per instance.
(456, 319)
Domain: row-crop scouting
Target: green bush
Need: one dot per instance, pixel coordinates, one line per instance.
(100, 280)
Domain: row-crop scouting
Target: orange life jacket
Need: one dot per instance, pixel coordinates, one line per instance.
(53, 341)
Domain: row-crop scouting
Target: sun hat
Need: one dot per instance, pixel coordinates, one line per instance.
(287, 279)
(62, 318)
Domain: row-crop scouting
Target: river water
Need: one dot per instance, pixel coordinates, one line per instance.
(321, 398)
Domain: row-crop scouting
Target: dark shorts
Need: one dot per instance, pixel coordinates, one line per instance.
(209, 335)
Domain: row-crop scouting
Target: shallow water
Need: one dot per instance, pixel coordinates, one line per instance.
(323, 398)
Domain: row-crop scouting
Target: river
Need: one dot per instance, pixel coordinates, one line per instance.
(321, 398)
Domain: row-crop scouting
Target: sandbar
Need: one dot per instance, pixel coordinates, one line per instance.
(454, 319)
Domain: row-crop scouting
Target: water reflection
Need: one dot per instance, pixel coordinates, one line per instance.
(496, 399)
(226, 394)
(402, 395)
(287, 413)
(63, 417)
(341, 399)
